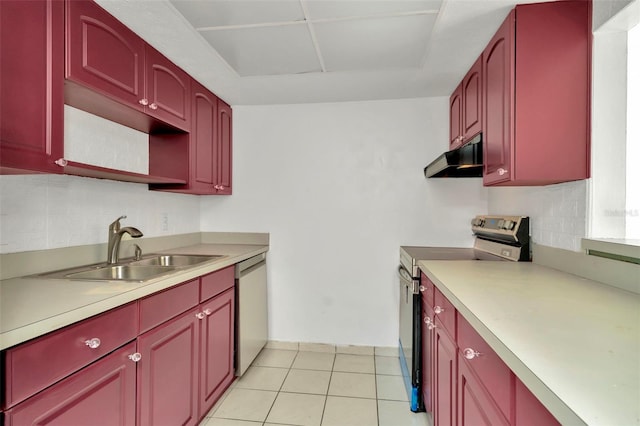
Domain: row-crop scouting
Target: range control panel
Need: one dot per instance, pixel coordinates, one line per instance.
(502, 228)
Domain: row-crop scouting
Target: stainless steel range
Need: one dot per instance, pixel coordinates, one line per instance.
(497, 238)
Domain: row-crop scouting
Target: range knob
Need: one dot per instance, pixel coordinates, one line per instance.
(479, 222)
(508, 225)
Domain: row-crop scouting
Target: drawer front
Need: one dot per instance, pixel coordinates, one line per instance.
(34, 365)
(445, 312)
(427, 289)
(216, 282)
(493, 373)
(162, 306)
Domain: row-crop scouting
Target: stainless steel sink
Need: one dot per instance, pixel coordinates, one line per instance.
(177, 260)
(150, 266)
(121, 273)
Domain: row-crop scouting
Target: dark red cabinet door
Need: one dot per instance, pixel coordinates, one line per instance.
(225, 137)
(203, 140)
(168, 373)
(168, 94)
(104, 54)
(529, 410)
(455, 118)
(427, 355)
(472, 101)
(31, 85)
(498, 75)
(216, 348)
(445, 370)
(475, 405)
(102, 394)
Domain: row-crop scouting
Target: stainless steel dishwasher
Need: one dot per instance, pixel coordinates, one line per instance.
(251, 310)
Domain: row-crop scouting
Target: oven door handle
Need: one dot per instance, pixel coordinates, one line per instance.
(405, 276)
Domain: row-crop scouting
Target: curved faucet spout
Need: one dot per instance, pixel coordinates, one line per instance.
(115, 237)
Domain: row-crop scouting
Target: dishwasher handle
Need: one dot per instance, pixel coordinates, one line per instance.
(250, 264)
(409, 282)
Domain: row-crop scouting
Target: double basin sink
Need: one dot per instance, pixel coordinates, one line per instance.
(150, 266)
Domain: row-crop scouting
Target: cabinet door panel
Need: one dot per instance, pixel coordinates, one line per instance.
(168, 90)
(31, 84)
(217, 344)
(498, 72)
(203, 143)
(530, 411)
(104, 54)
(168, 373)
(472, 101)
(455, 118)
(475, 406)
(101, 394)
(427, 356)
(445, 361)
(224, 147)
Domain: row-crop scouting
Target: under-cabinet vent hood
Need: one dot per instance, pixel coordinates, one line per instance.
(465, 161)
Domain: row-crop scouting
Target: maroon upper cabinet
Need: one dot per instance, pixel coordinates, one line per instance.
(455, 118)
(209, 144)
(31, 85)
(111, 72)
(472, 101)
(465, 107)
(168, 91)
(225, 141)
(536, 75)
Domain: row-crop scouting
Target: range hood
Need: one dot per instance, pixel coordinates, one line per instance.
(465, 161)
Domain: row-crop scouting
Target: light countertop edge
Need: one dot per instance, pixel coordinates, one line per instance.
(17, 294)
(453, 283)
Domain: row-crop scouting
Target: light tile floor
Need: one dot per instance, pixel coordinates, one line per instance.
(318, 385)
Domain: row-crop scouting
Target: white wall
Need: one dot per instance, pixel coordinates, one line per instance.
(40, 212)
(340, 187)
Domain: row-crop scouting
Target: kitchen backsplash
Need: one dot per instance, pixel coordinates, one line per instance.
(40, 212)
(558, 212)
(93, 140)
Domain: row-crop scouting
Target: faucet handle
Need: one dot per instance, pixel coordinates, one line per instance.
(115, 225)
(138, 252)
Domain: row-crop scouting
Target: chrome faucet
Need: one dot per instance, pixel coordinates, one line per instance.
(115, 236)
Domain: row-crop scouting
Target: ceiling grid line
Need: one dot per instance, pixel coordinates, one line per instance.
(314, 38)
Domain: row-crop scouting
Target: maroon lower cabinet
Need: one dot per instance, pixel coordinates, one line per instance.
(31, 84)
(444, 379)
(529, 411)
(168, 373)
(476, 407)
(102, 394)
(216, 348)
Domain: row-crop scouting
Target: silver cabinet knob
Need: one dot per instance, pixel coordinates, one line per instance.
(431, 326)
(62, 162)
(93, 343)
(153, 106)
(200, 315)
(502, 171)
(438, 310)
(144, 102)
(135, 357)
(208, 312)
(469, 353)
(427, 320)
(422, 288)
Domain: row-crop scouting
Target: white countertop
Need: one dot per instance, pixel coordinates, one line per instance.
(574, 342)
(33, 306)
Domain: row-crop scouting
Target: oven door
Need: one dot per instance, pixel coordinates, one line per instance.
(410, 336)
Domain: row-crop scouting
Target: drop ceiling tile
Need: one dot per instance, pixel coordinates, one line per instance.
(213, 13)
(343, 9)
(365, 44)
(266, 50)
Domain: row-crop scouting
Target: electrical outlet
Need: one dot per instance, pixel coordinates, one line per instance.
(165, 221)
